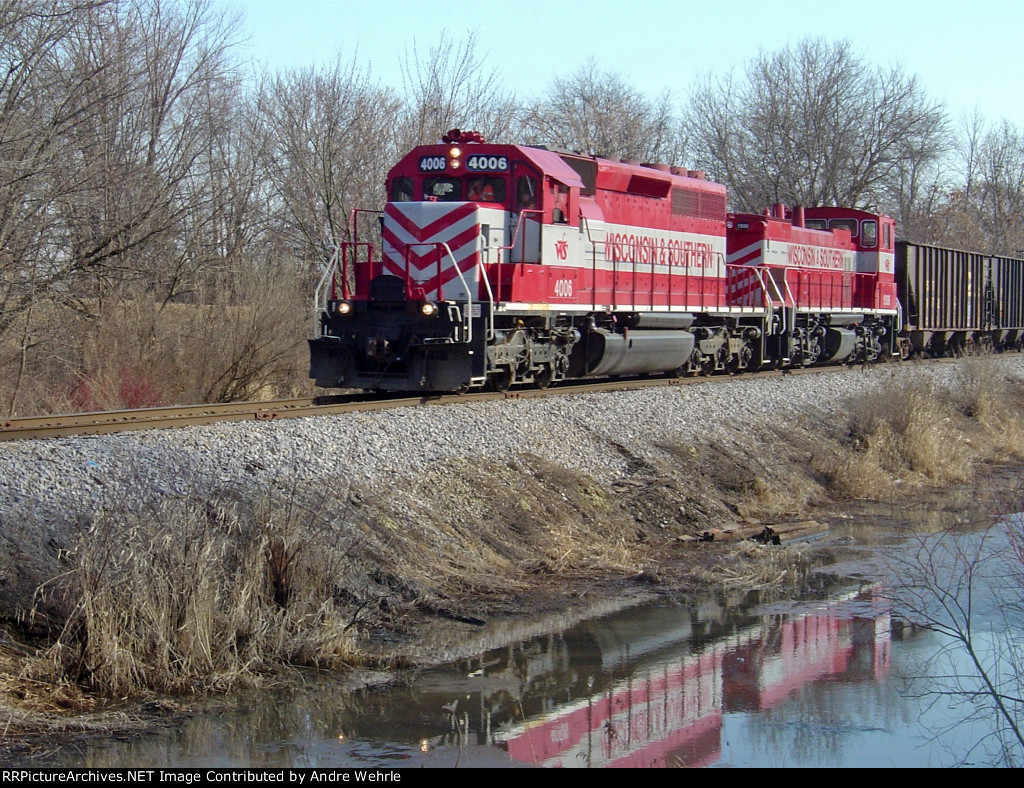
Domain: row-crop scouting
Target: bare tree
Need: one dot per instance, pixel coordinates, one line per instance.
(328, 138)
(996, 190)
(451, 87)
(38, 109)
(598, 112)
(815, 125)
(981, 205)
(966, 588)
(125, 173)
(108, 134)
(163, 73)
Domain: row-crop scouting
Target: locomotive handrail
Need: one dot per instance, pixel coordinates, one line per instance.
(319, 300)
(354, 220)
(331, 268)
(489, 330)
(720, 258)
(436, 246)
(758, 272)
(585, 223)
(468, 314)
(766, 301)
(519, 223)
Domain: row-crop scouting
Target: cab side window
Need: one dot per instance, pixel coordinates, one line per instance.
(401, 190)
(526, 193)
(560, 213)
(869, 233)
(844, 224)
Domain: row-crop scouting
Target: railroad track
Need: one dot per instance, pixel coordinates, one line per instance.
(103, 422)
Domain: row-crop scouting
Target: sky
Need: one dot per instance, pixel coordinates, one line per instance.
(967, 53)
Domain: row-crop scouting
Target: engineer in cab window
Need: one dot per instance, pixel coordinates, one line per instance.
(560, 213)
(480, 191)
(526, 193)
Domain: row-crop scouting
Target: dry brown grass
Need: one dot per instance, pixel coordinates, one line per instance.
(995, 402)
(192, 593)
(912, 431)
(241, 338)
(197, 593)
(906, 431)
(493, 525)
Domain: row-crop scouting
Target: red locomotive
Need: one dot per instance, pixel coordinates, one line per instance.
(506, 264)
(828, 276)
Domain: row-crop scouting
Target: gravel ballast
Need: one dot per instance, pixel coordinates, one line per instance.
(69, 479)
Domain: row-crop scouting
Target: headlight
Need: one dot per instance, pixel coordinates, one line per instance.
(342, 308)
(428, 309)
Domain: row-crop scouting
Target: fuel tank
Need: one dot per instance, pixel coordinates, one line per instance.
(634, 352)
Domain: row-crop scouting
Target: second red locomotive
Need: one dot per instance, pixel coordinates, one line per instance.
(503, 264)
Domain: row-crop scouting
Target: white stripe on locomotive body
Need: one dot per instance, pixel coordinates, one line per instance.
(607, 247)
(790, 255)
(781, 253)
(619, 245)
(744, 255)
(876, 262)
(659, 251)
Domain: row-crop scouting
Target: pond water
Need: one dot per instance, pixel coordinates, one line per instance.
(731, 682)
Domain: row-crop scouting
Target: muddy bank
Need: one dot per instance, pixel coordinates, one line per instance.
(210, 592)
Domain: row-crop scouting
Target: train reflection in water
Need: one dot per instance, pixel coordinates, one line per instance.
(650, 688)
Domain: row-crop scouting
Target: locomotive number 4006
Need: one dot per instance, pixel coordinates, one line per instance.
(487, 163)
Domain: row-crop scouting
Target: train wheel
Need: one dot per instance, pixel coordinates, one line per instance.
(742, 360)
(542, 377)
(501, 380)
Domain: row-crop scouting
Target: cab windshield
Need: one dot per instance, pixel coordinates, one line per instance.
(481, 188)
(473, 188)
(443, 189)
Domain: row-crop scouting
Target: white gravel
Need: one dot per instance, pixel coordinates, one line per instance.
(597, 433)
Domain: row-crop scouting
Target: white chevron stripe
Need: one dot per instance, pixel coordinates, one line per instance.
(444, 234)
(734, 256)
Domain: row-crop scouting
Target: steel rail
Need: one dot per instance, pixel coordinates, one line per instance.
(148, 418)
(104, 422)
